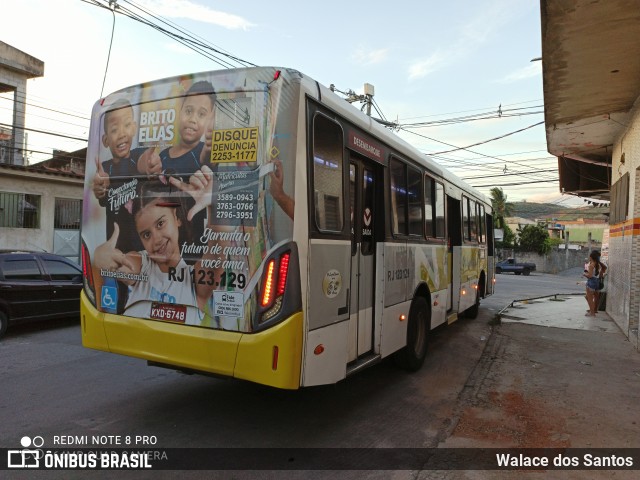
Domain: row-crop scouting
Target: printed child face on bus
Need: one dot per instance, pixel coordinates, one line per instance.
(195, 116)
(159, 230)
(119, 130)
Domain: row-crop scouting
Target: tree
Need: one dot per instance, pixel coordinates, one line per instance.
(501, 208)
(508, 239)
(534, 238)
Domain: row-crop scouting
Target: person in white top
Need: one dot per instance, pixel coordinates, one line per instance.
(159, 273)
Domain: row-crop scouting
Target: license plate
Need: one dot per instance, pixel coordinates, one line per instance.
(169, 312)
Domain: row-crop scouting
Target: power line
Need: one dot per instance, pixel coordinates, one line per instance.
(510, 174)
(474, 110)
(30, 104)
(471, 118)
(184, 37)
(61, 135)
(490, 140)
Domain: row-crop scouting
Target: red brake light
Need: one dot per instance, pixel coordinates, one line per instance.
(274, 281)
(87, 275)
(267, 291)
(282, 274)
(86, 266)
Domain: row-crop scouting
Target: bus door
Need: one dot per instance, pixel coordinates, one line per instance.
(454, 231)
(363, 183)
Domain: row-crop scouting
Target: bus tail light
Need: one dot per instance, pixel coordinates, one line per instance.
(87, 275)
(274, 285)
(267, 289)
(279, 294)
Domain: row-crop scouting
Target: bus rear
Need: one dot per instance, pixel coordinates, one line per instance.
(187, 238)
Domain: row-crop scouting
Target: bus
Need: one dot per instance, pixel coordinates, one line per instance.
(250, 223)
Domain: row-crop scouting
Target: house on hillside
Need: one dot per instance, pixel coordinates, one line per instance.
(518, 222)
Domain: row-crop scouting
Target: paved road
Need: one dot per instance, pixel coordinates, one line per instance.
(52, 386)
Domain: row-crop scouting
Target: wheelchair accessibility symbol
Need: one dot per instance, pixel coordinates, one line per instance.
(109, 298)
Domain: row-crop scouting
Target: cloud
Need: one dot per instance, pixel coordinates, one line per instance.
(370, 57)
(422, 68)
(469, 38)
(194, 11)
(529, 71)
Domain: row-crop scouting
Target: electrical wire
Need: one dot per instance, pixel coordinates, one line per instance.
(183, 36)
(490, 140)
(113, 28)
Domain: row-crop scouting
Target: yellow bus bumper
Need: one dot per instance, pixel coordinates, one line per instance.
(272, 357)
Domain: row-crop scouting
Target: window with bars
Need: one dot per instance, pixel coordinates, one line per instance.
(67, 214)
(19, 210)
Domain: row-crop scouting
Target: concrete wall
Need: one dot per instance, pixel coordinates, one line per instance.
(49, 187)
(624, 241)
(554, 262)
(15, 68)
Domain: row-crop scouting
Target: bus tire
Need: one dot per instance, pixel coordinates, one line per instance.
(472, 312)
(411, 357)
(4, 323)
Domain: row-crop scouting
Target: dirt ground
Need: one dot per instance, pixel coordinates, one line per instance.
(540, 387)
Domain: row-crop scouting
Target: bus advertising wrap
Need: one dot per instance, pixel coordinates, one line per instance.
(189, 187)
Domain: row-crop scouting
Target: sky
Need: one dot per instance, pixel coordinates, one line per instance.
(429, 61)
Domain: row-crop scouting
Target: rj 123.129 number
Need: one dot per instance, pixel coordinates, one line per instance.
(226, 280)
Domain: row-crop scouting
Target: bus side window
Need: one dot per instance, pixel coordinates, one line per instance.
(440, 213)
(398, 197)
(482, 224)
(327, 174)
(414, 199)
(465, 218)
(473, 220)
(429, 207)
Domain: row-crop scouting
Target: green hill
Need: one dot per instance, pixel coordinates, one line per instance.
(552, 211)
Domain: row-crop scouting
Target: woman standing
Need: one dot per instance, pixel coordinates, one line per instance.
(593, 283)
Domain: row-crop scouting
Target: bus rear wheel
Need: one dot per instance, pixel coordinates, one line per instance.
(472, 312)
(411, 357)
(4, 323)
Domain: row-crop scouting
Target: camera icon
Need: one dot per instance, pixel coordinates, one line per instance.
(24, 458)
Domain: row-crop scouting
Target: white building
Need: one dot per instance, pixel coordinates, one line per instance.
(591, 75)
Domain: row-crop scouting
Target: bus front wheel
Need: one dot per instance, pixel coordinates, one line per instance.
(411, 357)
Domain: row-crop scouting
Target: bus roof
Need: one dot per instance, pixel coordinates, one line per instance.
(260, 76)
